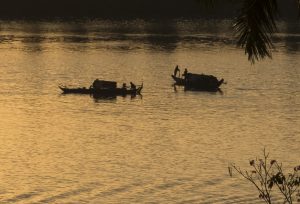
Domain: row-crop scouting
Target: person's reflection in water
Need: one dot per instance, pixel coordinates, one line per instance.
(175, 88)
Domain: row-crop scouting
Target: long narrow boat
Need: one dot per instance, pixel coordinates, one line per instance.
(201, 82)
(102, 91)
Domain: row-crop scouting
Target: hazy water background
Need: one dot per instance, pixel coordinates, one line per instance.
(163, 147)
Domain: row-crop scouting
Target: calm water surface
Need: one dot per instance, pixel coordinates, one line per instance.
(164, 147)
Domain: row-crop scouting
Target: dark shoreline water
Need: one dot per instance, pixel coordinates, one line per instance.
(129, 9)
(114, 9)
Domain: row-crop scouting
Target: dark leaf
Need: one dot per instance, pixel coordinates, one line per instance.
(273, 162)
(270, 185)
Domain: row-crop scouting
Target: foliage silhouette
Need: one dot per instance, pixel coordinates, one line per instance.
(254, 26)
(267, 175)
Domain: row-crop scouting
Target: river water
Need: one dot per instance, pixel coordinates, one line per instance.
(166, 146)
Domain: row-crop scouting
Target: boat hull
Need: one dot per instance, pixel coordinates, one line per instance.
(102, 92)
(178, 81)
(199, 82)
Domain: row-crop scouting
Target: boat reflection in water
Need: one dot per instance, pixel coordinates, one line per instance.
(101, 98)
(112, 98)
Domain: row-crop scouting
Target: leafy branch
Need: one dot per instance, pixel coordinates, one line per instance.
(265, 174)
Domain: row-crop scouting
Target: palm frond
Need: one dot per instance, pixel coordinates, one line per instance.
(254, 27)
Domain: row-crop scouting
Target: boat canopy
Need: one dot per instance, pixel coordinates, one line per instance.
(202, 77)
(100, 84)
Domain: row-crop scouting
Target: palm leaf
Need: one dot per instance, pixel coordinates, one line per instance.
(254, 28)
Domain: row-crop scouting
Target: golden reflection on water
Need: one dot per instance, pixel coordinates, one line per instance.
(164, 147)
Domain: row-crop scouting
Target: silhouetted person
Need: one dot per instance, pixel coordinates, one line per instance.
(132, 85)
(124, 86)
(185, 73)
(176, 70)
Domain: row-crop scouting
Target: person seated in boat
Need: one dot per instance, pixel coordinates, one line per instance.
(132, 86)
(176, 70)
(124, 86)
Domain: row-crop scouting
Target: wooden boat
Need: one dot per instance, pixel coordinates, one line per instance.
(178, 81)
(201, 82)
(106, 89)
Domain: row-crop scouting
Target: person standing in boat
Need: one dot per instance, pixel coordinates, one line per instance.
(176, 70)
(185, 73)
